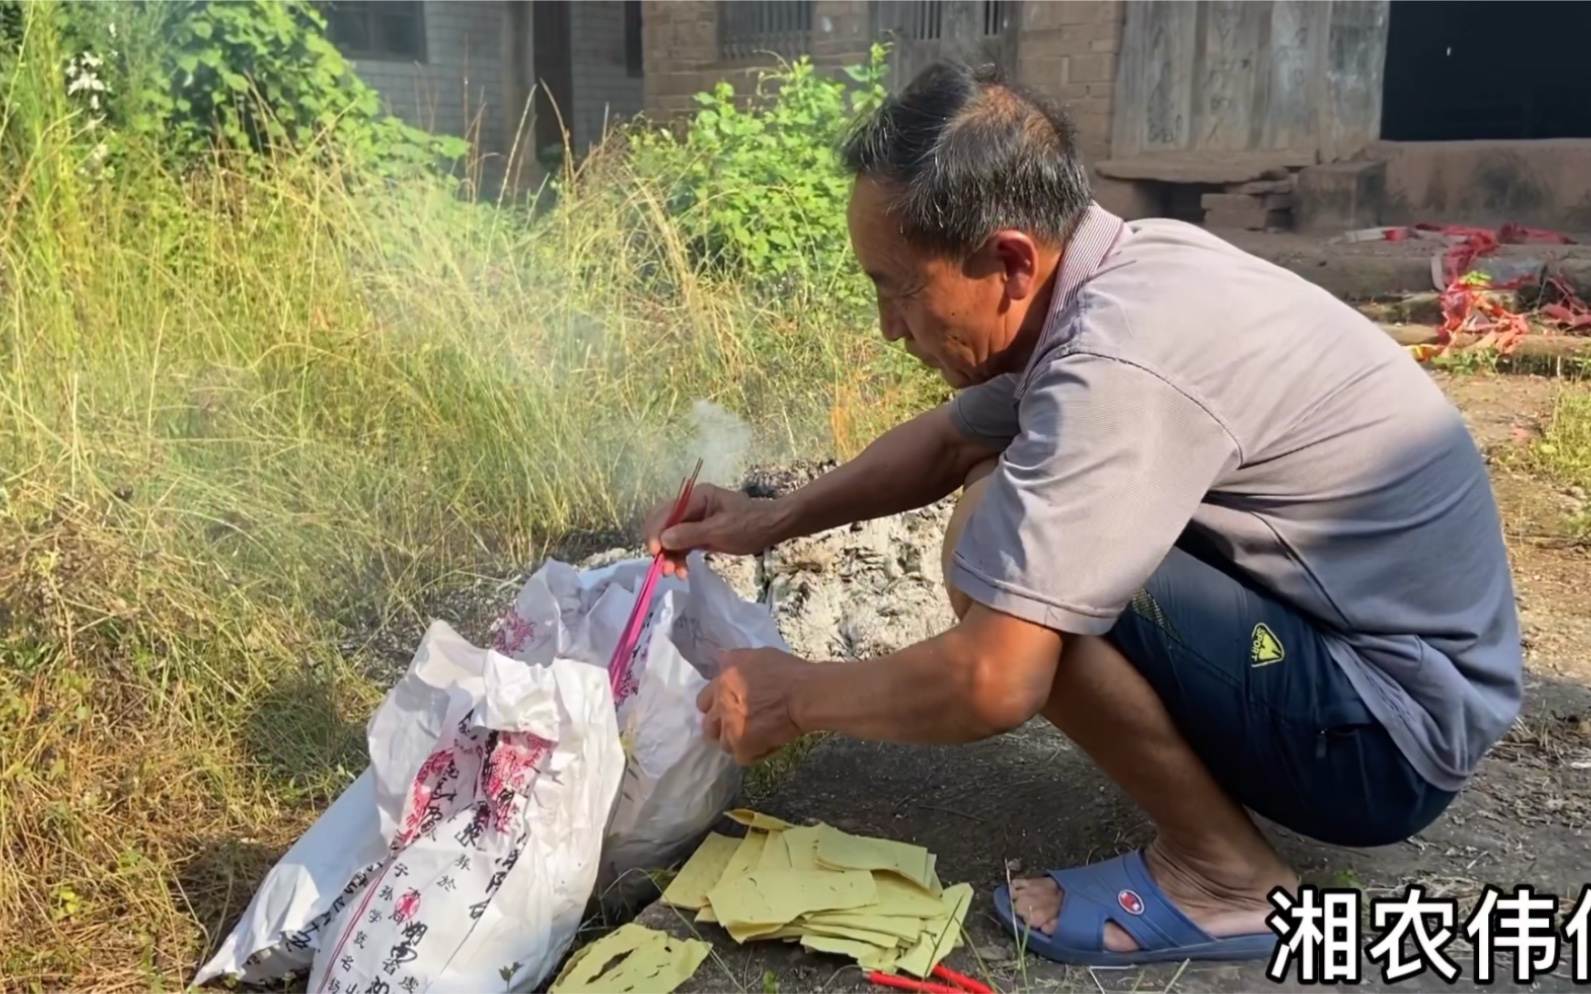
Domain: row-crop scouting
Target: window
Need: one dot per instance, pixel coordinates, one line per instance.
(633, 61)
(749, 28)
(392, 30)
(924, 20)
(909, 20)
(995, 13)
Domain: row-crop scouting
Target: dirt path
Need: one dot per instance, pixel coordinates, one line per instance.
(1032, 800)
(1552, 574)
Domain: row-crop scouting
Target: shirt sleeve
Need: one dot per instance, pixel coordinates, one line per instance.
(987, 413)
(1110, 463)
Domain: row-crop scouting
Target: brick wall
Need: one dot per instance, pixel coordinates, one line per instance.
(601, 84)
(680, 43)
(460, 86)
(680, 51)
(1067, 50)
(1068, 53)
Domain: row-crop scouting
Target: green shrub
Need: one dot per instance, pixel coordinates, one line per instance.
(261, 423)
(756, 185)
(190, 76)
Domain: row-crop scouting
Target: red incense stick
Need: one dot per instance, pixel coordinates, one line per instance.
(623, 653)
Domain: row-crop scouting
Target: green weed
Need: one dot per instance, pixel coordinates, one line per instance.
(256, 414)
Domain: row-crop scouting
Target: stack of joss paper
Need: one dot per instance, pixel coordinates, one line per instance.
(872, 900)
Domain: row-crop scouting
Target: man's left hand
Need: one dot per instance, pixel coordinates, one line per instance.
(747, 706)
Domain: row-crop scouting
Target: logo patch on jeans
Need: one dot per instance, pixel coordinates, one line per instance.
(1130, 902)
(1264, 647)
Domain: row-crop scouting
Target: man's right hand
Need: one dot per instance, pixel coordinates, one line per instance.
(715, 520)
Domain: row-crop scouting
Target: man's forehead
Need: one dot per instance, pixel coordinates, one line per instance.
(880, 243)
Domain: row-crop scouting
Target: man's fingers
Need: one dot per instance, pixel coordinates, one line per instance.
(684, 537)
(704, 700)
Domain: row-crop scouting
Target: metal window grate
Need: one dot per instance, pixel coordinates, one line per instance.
(995, 13)
(749, 28)
(909, 20)
(924, 20)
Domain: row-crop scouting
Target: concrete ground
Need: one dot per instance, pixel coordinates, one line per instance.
(1360, 271)
(1030, 800)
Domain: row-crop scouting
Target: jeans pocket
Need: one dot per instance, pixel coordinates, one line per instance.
(1377, 797)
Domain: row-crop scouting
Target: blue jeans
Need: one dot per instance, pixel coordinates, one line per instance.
(1252, 686)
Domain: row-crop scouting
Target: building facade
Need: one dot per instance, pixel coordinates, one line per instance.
(1314, 114)
(1066, 50)
(509, 75)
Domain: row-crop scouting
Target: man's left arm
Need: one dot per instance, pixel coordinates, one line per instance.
(987, 675)
(1109, 467)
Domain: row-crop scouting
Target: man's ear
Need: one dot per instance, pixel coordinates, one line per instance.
(1018, 257)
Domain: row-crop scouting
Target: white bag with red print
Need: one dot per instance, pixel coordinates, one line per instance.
(493, 779)
(279, 931)
(676, 784)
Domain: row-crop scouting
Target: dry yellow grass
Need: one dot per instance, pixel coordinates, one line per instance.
(252, 417)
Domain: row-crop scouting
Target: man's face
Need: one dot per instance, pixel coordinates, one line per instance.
(960, 317)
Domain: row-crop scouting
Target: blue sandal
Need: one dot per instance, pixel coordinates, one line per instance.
(1121, 890)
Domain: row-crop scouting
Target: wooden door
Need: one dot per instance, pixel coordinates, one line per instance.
(1301, 77)
(554, 100)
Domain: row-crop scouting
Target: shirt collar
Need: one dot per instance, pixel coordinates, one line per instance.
(1092, 241)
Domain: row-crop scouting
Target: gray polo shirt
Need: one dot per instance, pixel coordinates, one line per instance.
(1180, 380)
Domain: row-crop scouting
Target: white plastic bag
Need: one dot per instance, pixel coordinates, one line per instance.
(493, 851)
(676, 784)
(472, 841)
(279, 931)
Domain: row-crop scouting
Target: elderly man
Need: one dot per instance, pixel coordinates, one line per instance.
(1215, 527)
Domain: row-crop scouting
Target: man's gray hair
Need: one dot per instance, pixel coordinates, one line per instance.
(967, 154)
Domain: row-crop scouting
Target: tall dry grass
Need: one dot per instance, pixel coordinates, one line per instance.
(250, 417)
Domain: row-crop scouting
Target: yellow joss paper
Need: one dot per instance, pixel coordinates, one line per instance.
(747, 855)
(633, 958)
(775, 853)
(745, 859)
(801, 845)
(902, 927)
(873, 937)
(843, 851)
(759, 821)
(701, 872)
(897, 898)
(868, 957)
(778, 897)
(875, 901)
(940, 935)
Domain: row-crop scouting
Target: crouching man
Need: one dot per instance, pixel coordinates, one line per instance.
(1215, 526)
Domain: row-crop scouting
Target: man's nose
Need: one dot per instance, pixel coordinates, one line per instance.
(891, 324)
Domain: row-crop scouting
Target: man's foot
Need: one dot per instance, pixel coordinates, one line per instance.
(1223, 903)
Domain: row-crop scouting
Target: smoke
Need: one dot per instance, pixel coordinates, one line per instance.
(721, 440)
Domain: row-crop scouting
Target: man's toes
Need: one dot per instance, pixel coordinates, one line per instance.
(1117, 940)
(1037, 901)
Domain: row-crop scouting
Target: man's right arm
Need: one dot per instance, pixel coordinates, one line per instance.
(908, 467)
